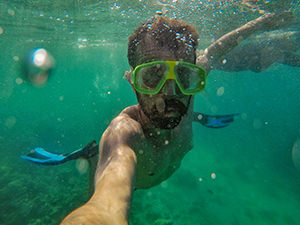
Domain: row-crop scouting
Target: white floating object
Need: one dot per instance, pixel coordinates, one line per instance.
(213, 176)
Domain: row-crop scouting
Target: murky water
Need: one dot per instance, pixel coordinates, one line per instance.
(242, 174)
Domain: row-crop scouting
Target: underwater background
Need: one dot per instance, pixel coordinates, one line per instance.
(242, 174)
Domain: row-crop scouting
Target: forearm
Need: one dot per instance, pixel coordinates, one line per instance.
(88, 214)
(114, 185)
(110, 202)
(104, 208)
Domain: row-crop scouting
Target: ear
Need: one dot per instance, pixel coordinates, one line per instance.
(128, 76)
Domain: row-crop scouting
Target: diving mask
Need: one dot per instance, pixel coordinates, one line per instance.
(149, 78)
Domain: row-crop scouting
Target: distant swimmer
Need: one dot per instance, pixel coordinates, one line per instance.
(38, 65)
(260, 52)
(145, 144)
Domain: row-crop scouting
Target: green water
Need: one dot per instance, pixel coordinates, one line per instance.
(256, 181)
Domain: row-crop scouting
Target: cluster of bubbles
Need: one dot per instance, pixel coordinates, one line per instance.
(212, 176)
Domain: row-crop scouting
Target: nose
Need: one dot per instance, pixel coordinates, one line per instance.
(170, 88)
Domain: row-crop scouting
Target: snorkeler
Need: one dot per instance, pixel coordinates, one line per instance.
(261, 51)
(145, 143)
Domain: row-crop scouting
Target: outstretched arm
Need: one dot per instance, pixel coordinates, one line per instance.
(230, 40)
(110, 202)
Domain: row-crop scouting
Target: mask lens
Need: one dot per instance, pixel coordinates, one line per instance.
(191, 78)
(148, 77)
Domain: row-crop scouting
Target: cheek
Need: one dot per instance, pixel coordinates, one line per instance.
(146, 100)
(148, 103)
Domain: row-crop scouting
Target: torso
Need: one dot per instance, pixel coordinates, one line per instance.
(159, 152)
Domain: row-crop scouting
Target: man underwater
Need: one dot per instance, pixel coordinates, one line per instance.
(261, 51)
(145, 143)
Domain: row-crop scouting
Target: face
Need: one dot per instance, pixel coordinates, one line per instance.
(165, 109)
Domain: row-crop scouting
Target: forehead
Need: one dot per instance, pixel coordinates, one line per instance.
(150, 51)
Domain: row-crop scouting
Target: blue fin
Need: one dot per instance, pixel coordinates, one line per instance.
(90, 150)
(51, 161)
(43, 152)
(214, 121)
(41, 156)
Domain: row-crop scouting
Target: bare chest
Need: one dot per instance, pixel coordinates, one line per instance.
(159, 159)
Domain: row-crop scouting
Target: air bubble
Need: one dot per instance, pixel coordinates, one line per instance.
(213, 109)
(220, 91)
(82, 166)
(257, 124)
(244, 116)
(10, 121)
(11, 12)
(213, 176)
(200, 116)
(19, 81)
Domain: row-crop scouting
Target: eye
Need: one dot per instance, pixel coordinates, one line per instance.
(152, 75)
(183, 74)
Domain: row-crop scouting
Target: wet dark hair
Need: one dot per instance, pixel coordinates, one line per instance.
(176, 36)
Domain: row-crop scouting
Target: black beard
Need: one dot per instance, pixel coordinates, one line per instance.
(158, 119)
(166, 123)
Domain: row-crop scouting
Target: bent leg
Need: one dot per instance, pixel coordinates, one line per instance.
(291, 59)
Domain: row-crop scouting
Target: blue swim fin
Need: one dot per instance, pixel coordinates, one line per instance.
(214, 121)
(41, 156)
